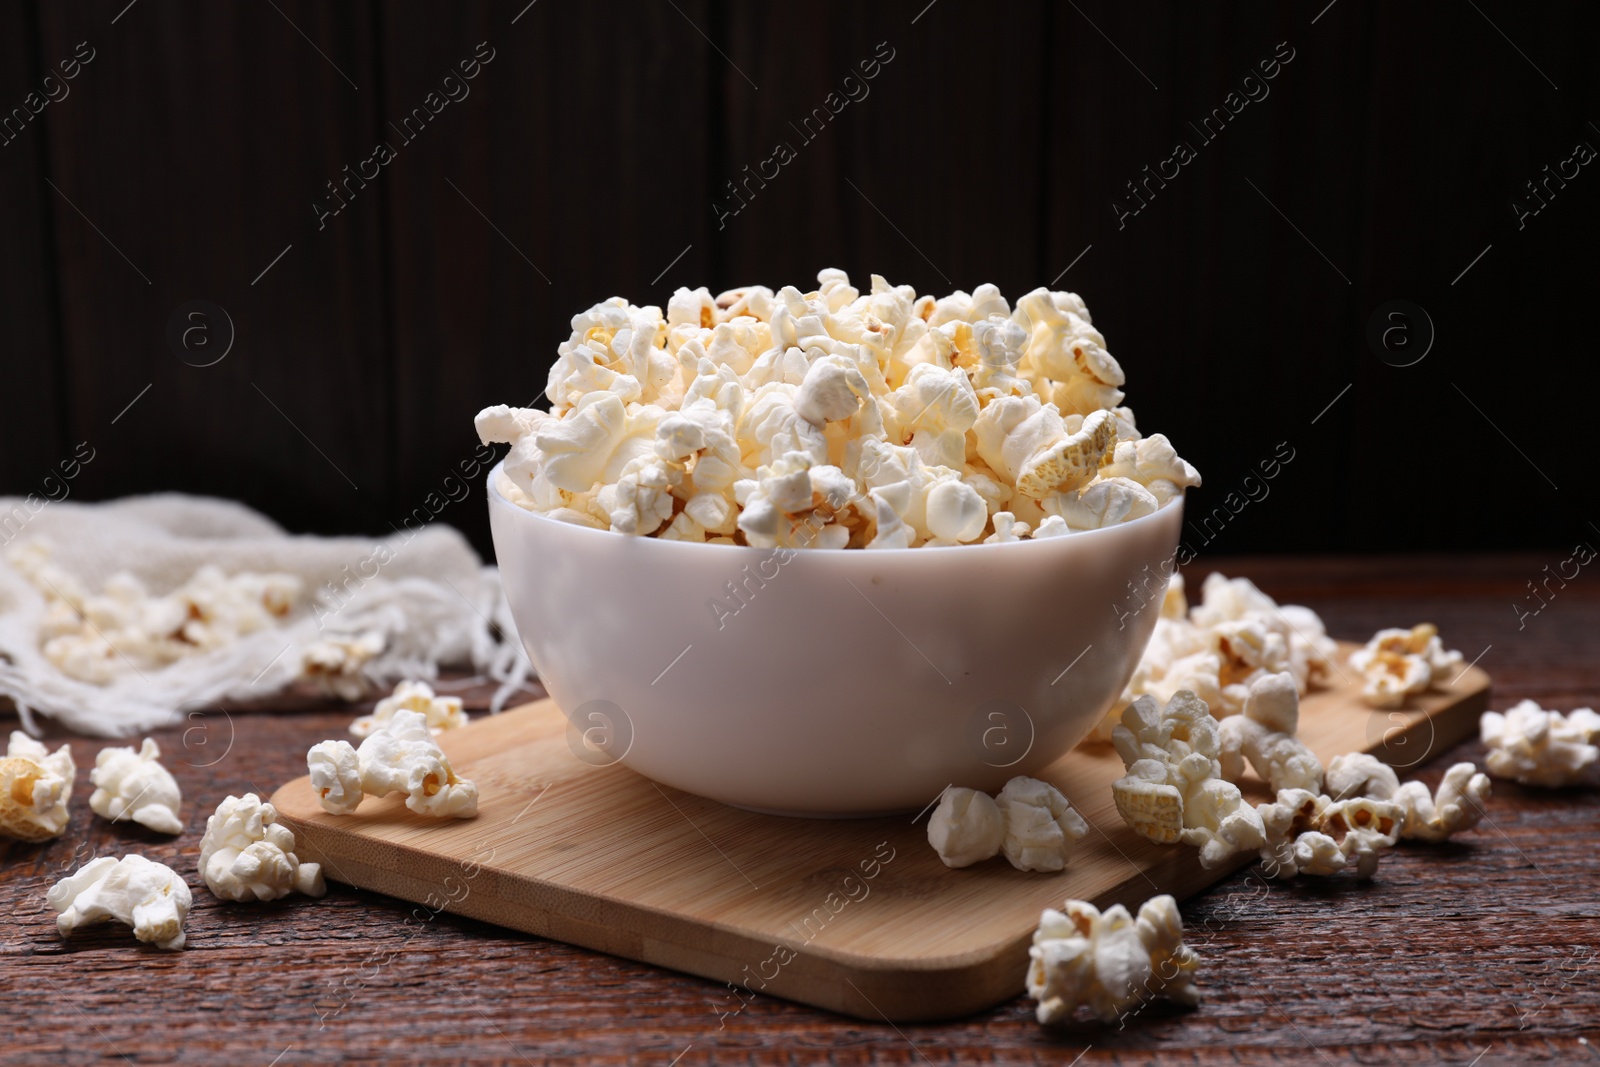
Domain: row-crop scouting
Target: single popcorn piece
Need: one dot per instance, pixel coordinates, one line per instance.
(916, 421)
(1397, 664)
(440, 713)
(336, 663)
(1105, 502)
(1174, 790)
(1149, 803)
(398, 756)
(134, 785)
(1360, 774)
(35, 788)
(336, 776)
(1458, 805)
(1109, 962)
(1219, 822)
(1310, 834)
(145, 895)
(1265, 735)
(1546, 748)
(1363, 828)
(124, 628)
(1040, 825)
(966, 827)
(246, 854)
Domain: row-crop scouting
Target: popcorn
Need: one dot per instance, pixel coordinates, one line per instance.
(1006, 529)
(1264, 735)
(1174, 790)
(1040, 825)
(440, 713)
(1309, 834)
(35, 788)
(966, 827)
(335, 663)
(1031, 821)
(1537, 747)
(134, 785)
(145, 895)
(100, 637)
(1458, 805)
(789, 504)
(246, 854)
(399, 757)
(1310, 650)
(1105, 503)
(1359, 774)
(1149, 803)
(1425, 817)
(1067, 459)
(836, 419)
(1109, 962)
(1397, 664)
(404, 757)
(1236, 636)
(336, 776)
(1151, 462)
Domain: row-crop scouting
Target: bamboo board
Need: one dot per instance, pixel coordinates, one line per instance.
(856, 916)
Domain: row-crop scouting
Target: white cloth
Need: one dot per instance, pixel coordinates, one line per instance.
(432, 600)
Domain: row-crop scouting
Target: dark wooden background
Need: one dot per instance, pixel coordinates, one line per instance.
(184, 162)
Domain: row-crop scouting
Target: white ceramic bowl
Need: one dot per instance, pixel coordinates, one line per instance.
(838, 681)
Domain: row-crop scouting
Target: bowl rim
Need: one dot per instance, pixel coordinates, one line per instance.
(496, 498)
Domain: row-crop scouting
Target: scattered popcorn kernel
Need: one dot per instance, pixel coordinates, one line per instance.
(145, 895)
(1219, 822)
(1293, 813)
(1537, 747)
(336, 776)
(1317, 854)
(335, 664)
(1150, 804)
(966, 827)
(1363, 828)
(1174, 790)
(1309, 834)
(401, 756)
(134, 785)
(1360, 774)
(1233, 638)
(1397, 664)
(1040, 825)
(1264, 735)
(35, 788)
(440, 713)
(1457, 806)
(246, 854)
(1109, 962)
(836, 419)
(404, 759)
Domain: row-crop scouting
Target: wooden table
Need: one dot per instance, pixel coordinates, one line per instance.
(1485, 950)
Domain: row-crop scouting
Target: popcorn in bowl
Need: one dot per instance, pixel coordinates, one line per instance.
(836, 419)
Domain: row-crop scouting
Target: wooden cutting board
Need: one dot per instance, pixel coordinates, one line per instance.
(857, 916)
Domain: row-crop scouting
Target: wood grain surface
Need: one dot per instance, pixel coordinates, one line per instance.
(603, 858)
(1483, 947)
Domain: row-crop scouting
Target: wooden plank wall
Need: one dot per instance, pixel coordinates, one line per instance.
(591, 153)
